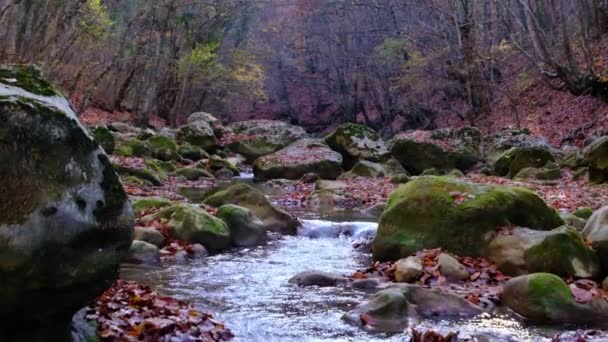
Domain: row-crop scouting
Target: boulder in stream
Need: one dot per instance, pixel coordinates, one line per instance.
(318, 278)
(357, 142)
(245, 228)
(65, 220)
(458, 216)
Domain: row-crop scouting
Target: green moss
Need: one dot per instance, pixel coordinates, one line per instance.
(131, 148)
(424, 213)
(562, 252)
(191, 173)
(104, 138)
(549, 291)
(29, 78)
(142, 204)
(217, 163)
(193, 153)
(583, 212)
(161, 169)
(161, 141)
(143, 174)
(511, 162)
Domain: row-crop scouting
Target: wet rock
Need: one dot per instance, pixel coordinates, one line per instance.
(309, 178)
(433, 302)
(408, 270)
(444, 150)
(386, 311)
(318, 278)
(451, 268)
(365, 284)
(224, 174)
(461, 217)
(149, 235)
(357, 142)
(299, 158)
(190, 223)
(243, 195)
(199, 250)
(544, 297)
(257, 138)
(142, 252)
(246, 229)
(65, 220)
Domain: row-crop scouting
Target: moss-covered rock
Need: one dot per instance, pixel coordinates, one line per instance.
(548, 172)
(142, 252)
(563, 252)
(61, 205)
(192, 173)
(162, 147)
(357, 142)
(299, 158)
(145, 203)
(512, 161)
(140, 173)
(545, 297)
(442, 149)
(461, 217)
(191, 152)
(197, 133)
(583, 212)
(244, 195)
(190, 223)
(104, 138)
(572, 157)
(246, 229)
(217, 163)
(160, 169)
(131, 147)
(149, 235)
(596, 155)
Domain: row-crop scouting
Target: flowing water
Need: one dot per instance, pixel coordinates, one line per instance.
(248, 289)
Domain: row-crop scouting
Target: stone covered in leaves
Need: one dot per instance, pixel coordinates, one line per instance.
(257, 138)
(356, 142)
(442, 149)
(190, 223)
(461, 217)
(299, 158)
(244, 195)
(131, 312)
(61, 204)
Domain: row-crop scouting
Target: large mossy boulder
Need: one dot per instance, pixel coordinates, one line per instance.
(561, 251)
(244, 195)
(596, 156)
(246, 229)
(368, 169)
(130, 147)
(197, 133)
(190, 223)
(104, 137)
(357, 142)
(460, 217)
(257, 138)
(162, 147)
(546, 298)
(65, 220)
(513, 161)
(444, 149)
(299, 158)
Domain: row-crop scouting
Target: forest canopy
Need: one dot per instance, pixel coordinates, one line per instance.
(390, 64)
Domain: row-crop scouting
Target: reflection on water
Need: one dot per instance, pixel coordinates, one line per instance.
(248, 290)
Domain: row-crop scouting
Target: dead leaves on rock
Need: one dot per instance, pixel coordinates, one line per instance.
(131, 312)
